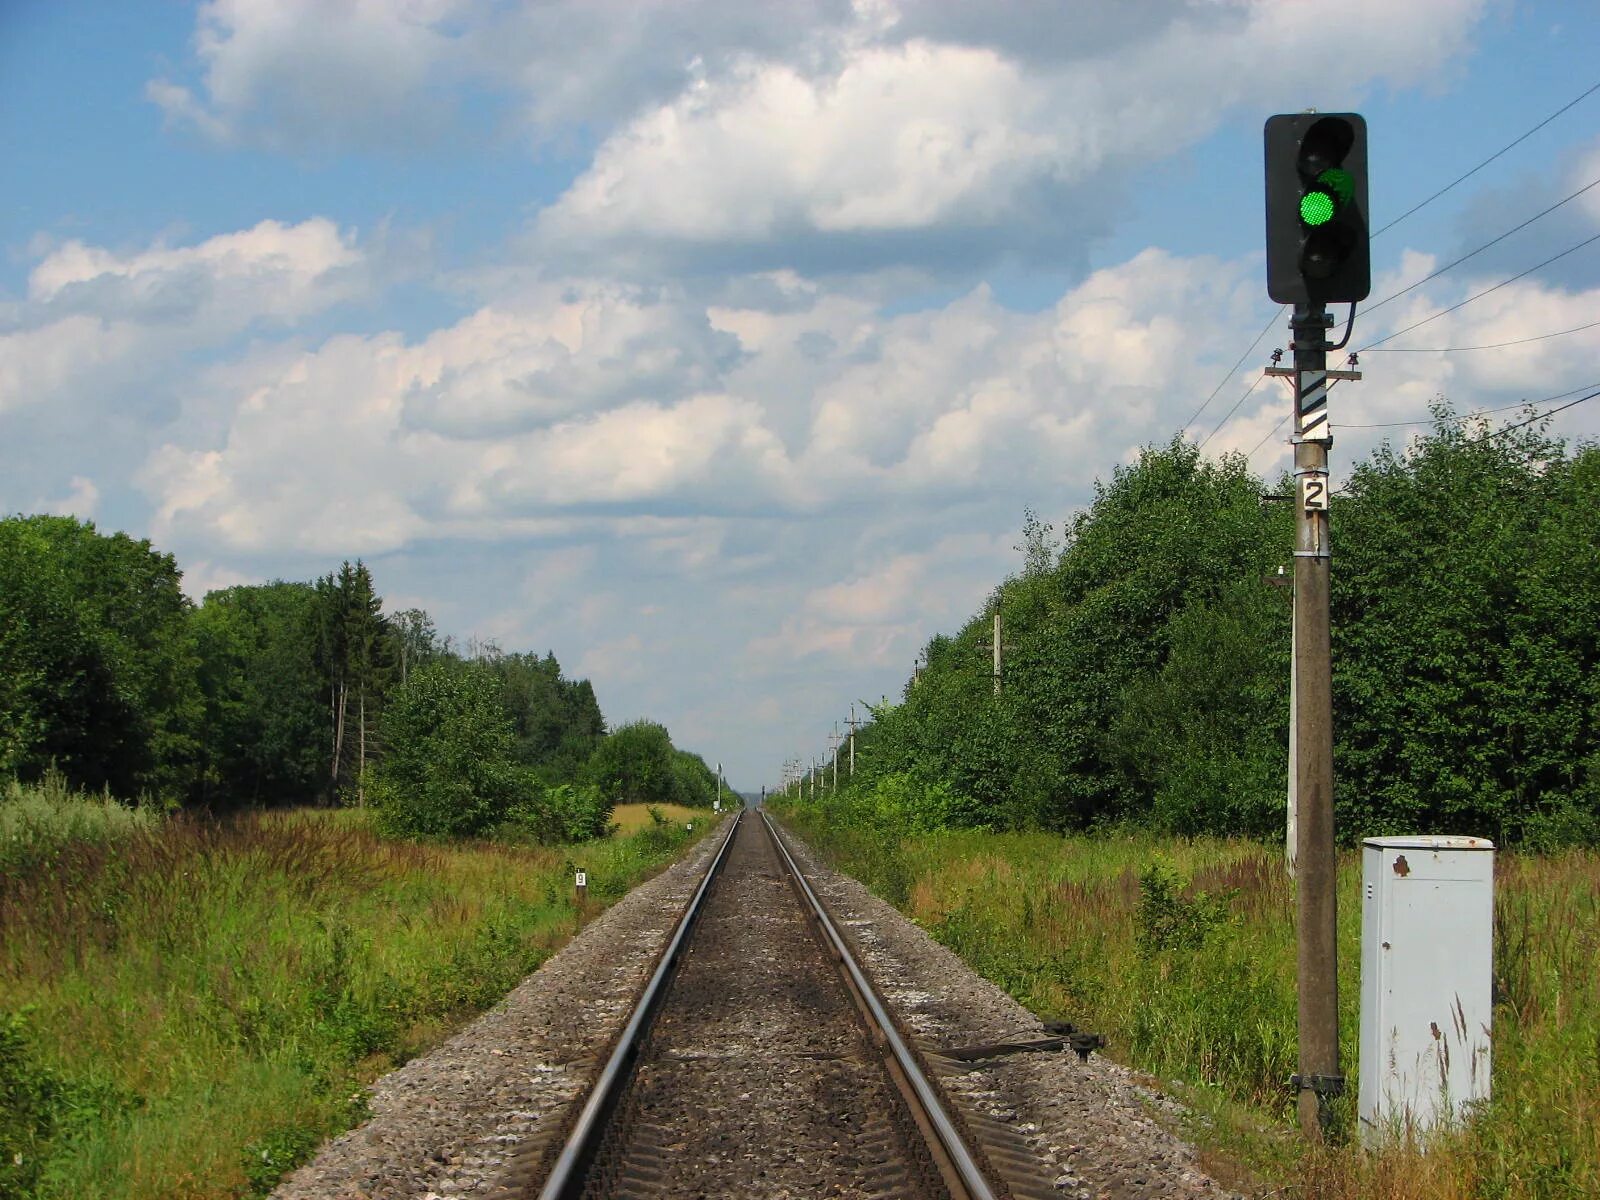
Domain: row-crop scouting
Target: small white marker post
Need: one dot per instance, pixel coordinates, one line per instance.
(580, 880)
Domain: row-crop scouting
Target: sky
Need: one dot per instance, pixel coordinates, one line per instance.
(718, 346)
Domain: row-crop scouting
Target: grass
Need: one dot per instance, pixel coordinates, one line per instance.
(37, 822)
(187, 1007)
(631, 818)
(1182, 953)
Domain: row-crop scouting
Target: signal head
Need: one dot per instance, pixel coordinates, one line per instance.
(1317, 233)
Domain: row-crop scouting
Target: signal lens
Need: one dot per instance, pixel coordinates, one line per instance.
(1316, 208)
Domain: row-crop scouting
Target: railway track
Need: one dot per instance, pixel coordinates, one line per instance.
(760, 1062)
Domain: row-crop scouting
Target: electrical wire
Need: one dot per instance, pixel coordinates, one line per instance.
(1232, 410)
(1538, 417)
(1480, 295)
(1415, 208)
(1509, 145)
(1472, 416)
(1395, 296)
(1270, 432)
(1232, 369)
(1543, 337)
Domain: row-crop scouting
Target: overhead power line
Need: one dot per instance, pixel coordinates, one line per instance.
(1480, 295)
(1473, 416)
(1509, 145)
(1232, 369)
(1231, 411)
(1543, 337)
(1415, 208)
(1471, 254)
(1266, 439)
(1539, 416)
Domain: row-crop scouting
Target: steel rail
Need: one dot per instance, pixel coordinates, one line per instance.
(587, 1131)
(938, 1117)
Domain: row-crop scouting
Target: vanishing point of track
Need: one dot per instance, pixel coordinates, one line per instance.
(759, 1061)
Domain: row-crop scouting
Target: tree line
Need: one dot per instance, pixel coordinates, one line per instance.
(1146, 655)
(294, 692)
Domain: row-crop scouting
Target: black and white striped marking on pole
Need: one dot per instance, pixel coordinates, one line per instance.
(1311, 407)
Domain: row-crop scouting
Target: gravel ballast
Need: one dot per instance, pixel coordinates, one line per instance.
(467, 1118)
(1092, 1121)
(450, 1122)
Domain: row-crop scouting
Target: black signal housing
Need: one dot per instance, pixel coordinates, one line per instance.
(1317, 231)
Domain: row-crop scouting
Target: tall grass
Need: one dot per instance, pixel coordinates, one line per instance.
(37, 821)
(187, 1007)
(1183, 954)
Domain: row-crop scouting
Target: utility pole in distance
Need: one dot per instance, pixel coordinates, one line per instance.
(997, 649)
(1317, 254)
(852, 740)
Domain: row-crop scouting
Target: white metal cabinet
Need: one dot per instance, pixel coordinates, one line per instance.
(1427, 960)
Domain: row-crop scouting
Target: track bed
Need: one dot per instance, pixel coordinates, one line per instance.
(758, 1078)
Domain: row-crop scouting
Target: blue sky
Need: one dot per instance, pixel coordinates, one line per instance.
(718, 347)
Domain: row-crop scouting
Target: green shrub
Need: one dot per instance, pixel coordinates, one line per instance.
(560, 814)
(450, 767)
(1167, 920)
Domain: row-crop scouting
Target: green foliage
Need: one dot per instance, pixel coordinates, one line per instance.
(450, 769)
(1204, 737)
(694, 784)
(265, 709)
(634, 765)
(1466, 617)
(556, 722)
(1168, 920)
(96, 658)
(39, 821)
(275, 1155)
(562, 812)
(1146, 659)
(207, 1000)
(275, 694)
(30, 1099)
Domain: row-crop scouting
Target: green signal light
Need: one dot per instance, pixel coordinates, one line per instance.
(1316, 208)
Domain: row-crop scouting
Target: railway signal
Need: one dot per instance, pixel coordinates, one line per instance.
(1317, 232)
(1317, 254)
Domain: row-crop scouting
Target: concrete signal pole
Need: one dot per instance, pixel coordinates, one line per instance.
(1319, 1078)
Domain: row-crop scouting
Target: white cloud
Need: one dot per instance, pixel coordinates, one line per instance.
(90, 311)
(200, 579)
(564, 350)
(270, 270)
(994, 149)
(797, 516)
(301, 74)
(37, 364)
(903, 138)
(80, 501)
(882, 616)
